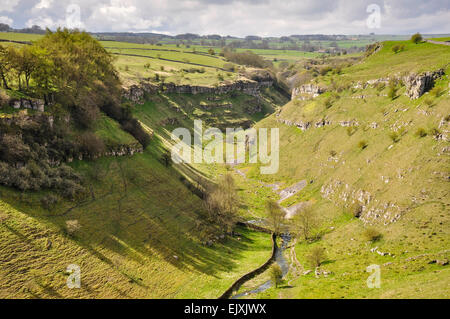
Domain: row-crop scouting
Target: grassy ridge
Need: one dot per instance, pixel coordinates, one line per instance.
(407, 170)
(134, 238)
(130, 243)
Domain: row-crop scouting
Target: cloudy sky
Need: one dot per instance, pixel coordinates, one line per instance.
(233, 17)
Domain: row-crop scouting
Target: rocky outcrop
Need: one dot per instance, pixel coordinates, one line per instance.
(349, 123)
(306, 125)
(307, 91)
(34, 104)
(418, 84)
(45, 122)
(136, 93)
(370, 210)
(322, 123)
(113, 151)
(301, 125)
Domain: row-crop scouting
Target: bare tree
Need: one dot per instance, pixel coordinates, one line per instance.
(275, 215)
(317, 256)
(304, 222)
(222, 203)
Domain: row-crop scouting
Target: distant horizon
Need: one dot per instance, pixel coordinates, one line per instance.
(235, 36)
(237, 18)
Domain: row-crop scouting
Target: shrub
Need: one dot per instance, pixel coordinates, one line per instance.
(351, 130)
(395, 137)
(416, 38)
(166, 159)
(324, 70)
(392, 93)
(362, 144)
(421, 132)
(356, 210)
(13, 149)
(229, 67)
(4, 98)
(71, 190)
(91, 145)
(435, 132)
(49, 201)
(72, 226)
(428, 102)
(380, 86)
(437, 91)
(276, 274)
(328, 102)
(246, 58)
(337, 70)
(316, 256)
(133, 127)
(398, 48)
(372, 235)
(333, 153)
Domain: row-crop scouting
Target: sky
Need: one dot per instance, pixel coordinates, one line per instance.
(233, 17)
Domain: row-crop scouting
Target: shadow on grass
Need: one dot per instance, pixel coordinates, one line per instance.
(157, 217)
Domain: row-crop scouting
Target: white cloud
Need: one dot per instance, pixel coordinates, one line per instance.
(122, 15)
(240, 17)
(6, 20)
(45, 22)
(44, 4)
(8, 5)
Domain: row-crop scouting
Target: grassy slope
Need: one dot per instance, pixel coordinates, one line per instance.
(128, 236)
(416, 169)
(127, 240)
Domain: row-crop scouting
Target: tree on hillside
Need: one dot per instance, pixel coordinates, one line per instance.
(222, 203)
(4, 27)
(316, 256)
(275, 215)
(304, 222)
(416, 38)
(5, 65)
(276, 274)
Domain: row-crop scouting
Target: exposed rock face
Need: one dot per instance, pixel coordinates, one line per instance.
(417, 85)
(306, 125)
(136, 93)
(309, 90)
(41, 119)
(322, 123)
(35, 104)
(301, 125)
(371, 210)
(348, 123)
(116, 151)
